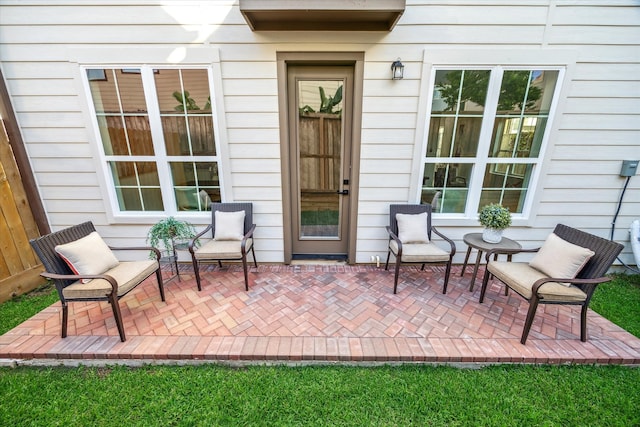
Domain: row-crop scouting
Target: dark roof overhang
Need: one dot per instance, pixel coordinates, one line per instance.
(322, 15)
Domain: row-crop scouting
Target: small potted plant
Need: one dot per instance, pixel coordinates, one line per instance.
(495, 219)
(167, 231)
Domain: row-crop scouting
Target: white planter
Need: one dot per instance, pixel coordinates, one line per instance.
(492, 235)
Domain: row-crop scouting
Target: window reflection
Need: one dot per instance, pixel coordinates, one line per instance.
(457, 109)
(196, 185)
(137, 186)
(122, 113)
(451, 180)
(522, 100)
(185, 110)
(184, 101)
(523, 108)
(507, 184)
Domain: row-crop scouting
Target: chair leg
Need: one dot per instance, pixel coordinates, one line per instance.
(160, 283)
(485, 282)
(255, 262)
(113, 299)
(446, 277)
(246, 274)
(583, 323)
(533, 305)
(65, 318)
(386, 264)
(196, 271)
(395, 277)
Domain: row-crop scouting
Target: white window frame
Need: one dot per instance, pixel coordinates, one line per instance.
(497, 61)
(149, 60)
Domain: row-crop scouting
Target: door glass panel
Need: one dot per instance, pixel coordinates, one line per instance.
(319, 157)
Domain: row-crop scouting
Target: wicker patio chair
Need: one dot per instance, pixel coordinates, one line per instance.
(108, 285)
(558, 274)
(411, 242)
(230, 239)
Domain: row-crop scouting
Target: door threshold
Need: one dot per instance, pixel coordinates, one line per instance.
(316, 259)
(317, 262)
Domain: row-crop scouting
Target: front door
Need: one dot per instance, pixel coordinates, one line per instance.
(320, 109)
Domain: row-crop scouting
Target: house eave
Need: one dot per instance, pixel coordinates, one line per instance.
(326, 15)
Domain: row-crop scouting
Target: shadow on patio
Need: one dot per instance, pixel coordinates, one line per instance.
(318, 313)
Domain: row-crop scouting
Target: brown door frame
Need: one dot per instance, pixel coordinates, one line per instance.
(355, 59)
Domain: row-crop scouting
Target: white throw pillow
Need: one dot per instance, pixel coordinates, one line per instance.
(412, 228)
(229, 225)
(88, 255)
(560, 259)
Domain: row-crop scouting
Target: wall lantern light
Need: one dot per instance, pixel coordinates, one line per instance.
(397, 70)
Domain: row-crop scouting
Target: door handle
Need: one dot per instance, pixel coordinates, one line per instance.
(343, 192)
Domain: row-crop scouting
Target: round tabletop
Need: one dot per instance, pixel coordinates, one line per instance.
(474, 240)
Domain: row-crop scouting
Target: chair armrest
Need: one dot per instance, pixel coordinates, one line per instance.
(451, 243)
(493, 252)
(392, 236)
(137, 248)
(594, 282)
(55, 276)
(249, 233)
(193, 241)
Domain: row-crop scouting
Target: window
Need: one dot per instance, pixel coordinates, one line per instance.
(158, 140)
(485, 137)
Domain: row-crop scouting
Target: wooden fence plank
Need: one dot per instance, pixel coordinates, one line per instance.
(19, 266)
(21, 283)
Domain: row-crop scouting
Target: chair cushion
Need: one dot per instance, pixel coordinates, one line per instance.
(87, 255)
(412, 228)
(520, 277)
(128, 274)
(560, 259)
(420, 252)
(222, 249)
(229, 225)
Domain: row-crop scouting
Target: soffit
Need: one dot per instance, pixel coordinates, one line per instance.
(322, 15)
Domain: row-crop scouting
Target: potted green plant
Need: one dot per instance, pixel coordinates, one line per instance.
(495, 219)
(168, 231)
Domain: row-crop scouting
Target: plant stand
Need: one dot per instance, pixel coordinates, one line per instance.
(171, 259)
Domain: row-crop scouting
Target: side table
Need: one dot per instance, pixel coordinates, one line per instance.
(474, 241)
(172, 259)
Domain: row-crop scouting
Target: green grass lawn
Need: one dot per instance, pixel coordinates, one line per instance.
(418, 395)
(19, 309)
(619, 301)
(422, 395)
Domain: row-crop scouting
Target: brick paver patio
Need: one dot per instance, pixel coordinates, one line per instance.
(318, 313)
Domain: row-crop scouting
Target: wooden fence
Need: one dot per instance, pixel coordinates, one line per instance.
(19, 267)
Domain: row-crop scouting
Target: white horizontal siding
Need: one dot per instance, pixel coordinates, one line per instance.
(597, 126)
(604, 106)
(432, 13)
(597, 153)
(598, 13)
